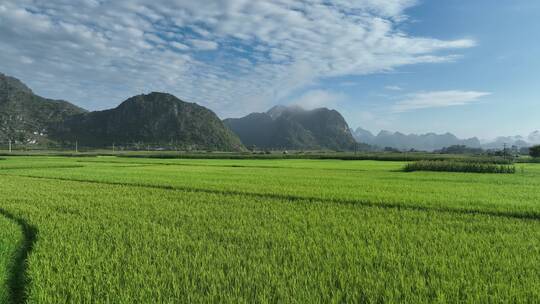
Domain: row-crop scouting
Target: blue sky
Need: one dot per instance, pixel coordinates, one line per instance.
(467, 67)
(504, 63)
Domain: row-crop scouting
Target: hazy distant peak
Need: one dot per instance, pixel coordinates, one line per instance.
(385, 133)
(427, 142)
(534, 137)
(363, 133)
(516, 140)
(509, 138)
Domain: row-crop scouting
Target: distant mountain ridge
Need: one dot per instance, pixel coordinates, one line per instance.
(26, 117)
(517, 141)
(423, 142)
(432, 141)
(156, 118)
(294, 128)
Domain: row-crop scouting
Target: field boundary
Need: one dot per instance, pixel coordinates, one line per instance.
(18, 280)
(532, 216)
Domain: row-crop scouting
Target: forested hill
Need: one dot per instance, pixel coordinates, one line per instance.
(157, 118)
(294, 128)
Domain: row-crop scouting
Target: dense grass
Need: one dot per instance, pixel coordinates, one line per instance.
(531, 160)
(122, 230)
(459, 166)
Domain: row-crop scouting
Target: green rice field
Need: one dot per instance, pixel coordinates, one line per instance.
(144, 230)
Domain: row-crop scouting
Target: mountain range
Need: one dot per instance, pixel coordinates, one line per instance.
(161, 119)
(432, 141)
(291, 127)
(423, 142)
(517, 140)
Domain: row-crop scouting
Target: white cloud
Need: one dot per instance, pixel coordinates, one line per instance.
(438, 99)
(179, 45)
(318, 99)
(204, 45)
(97, 53)
(393, 88)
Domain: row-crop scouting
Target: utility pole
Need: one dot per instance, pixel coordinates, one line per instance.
(504, 151)
(113, 147)
(76, 146)
(10, 145)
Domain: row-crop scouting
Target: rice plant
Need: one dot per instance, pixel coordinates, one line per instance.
(459, 166)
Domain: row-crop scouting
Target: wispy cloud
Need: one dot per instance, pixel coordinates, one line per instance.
(393, 88)
(437, 99)
(204, 45)
(318, 99)
(97, 53)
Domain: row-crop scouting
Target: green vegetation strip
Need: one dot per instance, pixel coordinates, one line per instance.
(458, 166)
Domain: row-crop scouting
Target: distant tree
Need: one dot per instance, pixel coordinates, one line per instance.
(390, 149)
(460, 149)
(524, 151)
(534, 151)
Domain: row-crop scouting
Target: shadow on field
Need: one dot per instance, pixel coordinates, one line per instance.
(18, 281)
